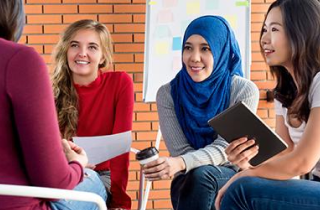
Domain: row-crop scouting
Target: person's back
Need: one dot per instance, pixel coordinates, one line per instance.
(30, 151)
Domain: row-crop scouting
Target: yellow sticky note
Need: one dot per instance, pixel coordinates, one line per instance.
(232, 20)
(193, 7)
(162, 48)
(152, 2)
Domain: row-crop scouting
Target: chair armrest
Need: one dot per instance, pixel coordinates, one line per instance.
(44, 192)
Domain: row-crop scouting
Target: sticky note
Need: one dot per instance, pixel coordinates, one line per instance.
(232, 20)
(242, 3)
(169, 3)
(162, 48)
(212, 4)
(152, 2)
(162, 31)
(176, 43)
(193, 7)
(165, 16)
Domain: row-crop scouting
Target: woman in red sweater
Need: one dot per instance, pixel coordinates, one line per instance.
(91, 102)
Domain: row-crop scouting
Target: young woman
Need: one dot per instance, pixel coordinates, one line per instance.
(290, 44)
(209, 82)
(32, 151)
(91, 102)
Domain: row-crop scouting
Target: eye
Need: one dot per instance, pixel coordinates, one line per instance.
(264, 30)
(73, 45)
(92, 47)
(274, 29)
(206, 48)
(187, 47)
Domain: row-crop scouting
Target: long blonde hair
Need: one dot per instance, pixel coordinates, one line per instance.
(65, 94)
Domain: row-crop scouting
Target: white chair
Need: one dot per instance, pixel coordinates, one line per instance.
(144, 194)
(44, 192)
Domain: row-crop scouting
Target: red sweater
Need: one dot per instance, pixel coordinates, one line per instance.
(30, 143)
(106, 107)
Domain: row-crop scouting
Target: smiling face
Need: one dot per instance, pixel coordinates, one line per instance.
(198, 58)
(274, 41)
(84, 56)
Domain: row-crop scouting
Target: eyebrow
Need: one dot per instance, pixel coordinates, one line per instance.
(203, 44)
(274, 23)
(90, 43)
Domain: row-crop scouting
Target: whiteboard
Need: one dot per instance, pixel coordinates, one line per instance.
(166, 21)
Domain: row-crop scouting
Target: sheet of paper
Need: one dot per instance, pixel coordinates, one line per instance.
(103, 148)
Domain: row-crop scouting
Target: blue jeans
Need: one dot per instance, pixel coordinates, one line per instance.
(91, 183)
(198, 188)
(262, 194)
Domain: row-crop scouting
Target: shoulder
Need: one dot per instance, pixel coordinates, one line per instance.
(10, 49)
(314, 94)
(164, 93)
(243, 87)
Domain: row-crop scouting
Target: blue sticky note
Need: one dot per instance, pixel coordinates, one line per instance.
(176, 43)
(212, 4)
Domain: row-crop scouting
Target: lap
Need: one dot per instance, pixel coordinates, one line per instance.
(90, 183)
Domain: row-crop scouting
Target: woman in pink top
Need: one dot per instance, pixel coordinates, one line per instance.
(31, 150)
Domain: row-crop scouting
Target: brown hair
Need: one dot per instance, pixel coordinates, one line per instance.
(301, 20)
(11, 19)
(66, 98)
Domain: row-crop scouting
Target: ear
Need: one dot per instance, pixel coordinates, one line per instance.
(102, 60)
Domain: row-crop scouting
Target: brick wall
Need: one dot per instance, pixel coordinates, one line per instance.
(125, 20)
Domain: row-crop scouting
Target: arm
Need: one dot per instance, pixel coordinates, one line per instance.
(34, 113)
(119, 166)
(177, 144)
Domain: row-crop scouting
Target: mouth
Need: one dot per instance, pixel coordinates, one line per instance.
(268, 52)
(196, 68)
(82, 62)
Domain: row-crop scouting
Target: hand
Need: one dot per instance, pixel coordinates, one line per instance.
(91, 166)
(163, 168)
(241, 151)
(74, 153)
(225, 187)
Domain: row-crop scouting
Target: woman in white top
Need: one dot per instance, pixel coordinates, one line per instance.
(290, 44)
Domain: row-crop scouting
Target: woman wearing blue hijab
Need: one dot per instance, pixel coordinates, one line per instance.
(209, 82)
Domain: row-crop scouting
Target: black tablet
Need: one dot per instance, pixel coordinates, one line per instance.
(238, 121)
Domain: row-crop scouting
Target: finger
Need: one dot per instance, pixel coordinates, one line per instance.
(241, 148)
(155, 169)
(245, 155)
(156, 162)
(235, 144)
(91, 166)
(217, 202)
(65, 145)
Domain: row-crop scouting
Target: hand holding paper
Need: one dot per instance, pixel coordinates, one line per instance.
(103, 148)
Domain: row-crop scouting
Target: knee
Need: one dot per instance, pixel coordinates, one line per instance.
(202, 176)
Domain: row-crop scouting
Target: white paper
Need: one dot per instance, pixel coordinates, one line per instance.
(103, 148)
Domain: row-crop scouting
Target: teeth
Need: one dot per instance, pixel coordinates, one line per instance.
(268, 51)
(82, 62)
(196, 68)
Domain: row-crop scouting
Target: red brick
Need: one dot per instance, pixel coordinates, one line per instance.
(129, 28)
(73, 18)
(123, 58)
(122, 38)
(139, 18)
(32, 29)
(60, 9)
(54, 29)
(139, 57)
(42, 1)
(43, 39)
(95, 9)
(129, 47)
(115, 18)
(129, 67)
(132, 8)
(43, 19)
(114, 1)
(32, 9)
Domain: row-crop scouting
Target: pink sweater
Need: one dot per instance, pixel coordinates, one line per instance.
(30, 144)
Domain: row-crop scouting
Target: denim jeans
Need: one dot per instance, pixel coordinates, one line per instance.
(197, 189)
(262, 194)
(91, 183)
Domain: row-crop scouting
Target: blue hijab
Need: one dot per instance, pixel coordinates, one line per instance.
(196, 102)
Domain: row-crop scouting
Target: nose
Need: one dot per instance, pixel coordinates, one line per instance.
(195, 56)
(265, 38)
(82, 52)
